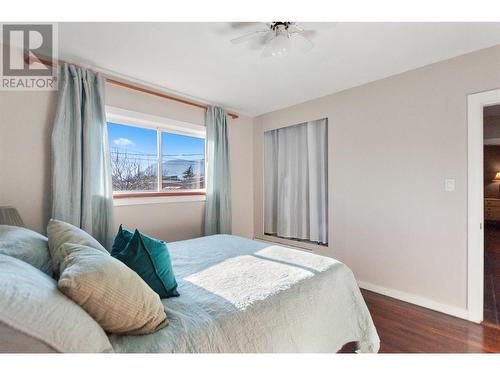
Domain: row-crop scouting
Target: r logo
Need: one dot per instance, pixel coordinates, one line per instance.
(35, 40)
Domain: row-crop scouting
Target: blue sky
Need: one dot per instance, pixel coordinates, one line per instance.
(140, 140)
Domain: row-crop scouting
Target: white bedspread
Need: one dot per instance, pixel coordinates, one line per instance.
(239, 295)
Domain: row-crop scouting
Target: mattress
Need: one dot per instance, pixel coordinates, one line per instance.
(243, 296)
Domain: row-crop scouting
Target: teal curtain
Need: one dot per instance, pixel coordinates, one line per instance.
(82, 192)
(218, 204)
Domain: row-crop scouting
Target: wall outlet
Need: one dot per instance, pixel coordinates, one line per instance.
(449, 184)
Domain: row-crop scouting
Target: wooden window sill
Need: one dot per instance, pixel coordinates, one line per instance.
(132, 199)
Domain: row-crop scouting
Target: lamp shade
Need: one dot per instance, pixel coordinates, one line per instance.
(280, 45)
(10, 216)
(497, 177)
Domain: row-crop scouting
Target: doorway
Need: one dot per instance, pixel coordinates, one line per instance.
(479, 106)
(491, 178)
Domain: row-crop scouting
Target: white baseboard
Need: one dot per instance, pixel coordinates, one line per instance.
(416, 300)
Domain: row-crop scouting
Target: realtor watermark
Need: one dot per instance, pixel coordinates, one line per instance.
(27, 54)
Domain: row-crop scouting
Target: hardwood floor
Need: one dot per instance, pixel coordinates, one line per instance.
(492, 273)
(406, 328)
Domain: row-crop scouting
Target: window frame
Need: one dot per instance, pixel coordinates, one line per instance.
(159, 124)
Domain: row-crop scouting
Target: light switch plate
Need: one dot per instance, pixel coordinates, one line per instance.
(449, 184)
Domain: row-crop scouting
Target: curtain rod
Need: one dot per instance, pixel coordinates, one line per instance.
(131, 86)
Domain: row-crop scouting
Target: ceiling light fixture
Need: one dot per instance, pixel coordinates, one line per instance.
(280, 38)
(280, 45)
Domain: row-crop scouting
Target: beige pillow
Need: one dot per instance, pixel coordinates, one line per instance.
(114, 295)
(59, 233)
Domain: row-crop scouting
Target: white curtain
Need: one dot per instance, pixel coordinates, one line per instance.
(296, 181)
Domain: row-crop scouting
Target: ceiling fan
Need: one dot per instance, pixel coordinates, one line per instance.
(280, 38)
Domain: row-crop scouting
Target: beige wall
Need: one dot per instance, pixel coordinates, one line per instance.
(25, 127)
(391, 145)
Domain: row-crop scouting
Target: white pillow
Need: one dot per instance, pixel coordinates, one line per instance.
(27, 245)
(31, 304)
(59, 233)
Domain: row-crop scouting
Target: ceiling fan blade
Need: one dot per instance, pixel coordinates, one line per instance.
(295, 28)
(266, 38)
(260, 42)
(243, 25)
(318, 25)
(247, 37)
(309, 33)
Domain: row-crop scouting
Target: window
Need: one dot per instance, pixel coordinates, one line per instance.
(159, 161)
(133, 158)
(183, 159)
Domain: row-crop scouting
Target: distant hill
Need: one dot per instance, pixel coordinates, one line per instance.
(176, 167)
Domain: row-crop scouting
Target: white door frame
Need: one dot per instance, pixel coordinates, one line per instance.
(475, 234)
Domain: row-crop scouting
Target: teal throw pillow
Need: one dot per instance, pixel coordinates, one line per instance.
(148, 257)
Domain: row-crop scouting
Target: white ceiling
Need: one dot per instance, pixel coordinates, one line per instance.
(197, 59)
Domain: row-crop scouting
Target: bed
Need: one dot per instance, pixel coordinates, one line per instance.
(240, 295)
